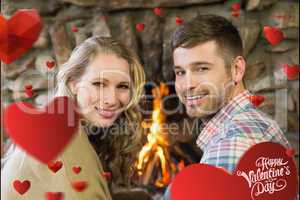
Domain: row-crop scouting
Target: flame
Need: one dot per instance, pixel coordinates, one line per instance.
(156, 146)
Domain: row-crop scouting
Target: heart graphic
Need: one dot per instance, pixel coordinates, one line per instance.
(257, 100)
(54, 195)
(158, 11)
(50, 64)
(29, 93)
(236, 7)
(273, 35)
(47, 130)
(178, 20)
(74, 29)
(79, 186)
(104, 17)
(291, 71)
(139, 27)
(106, 174)
(18, 34)
(290, 152)
(264, 172)
(21, 187)
(55, 166)
(76, 170)
(235, 13)
(28, 87)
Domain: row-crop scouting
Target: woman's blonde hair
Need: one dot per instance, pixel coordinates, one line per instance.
(117, 151)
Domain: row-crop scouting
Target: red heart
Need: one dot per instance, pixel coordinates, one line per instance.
(106, 174)
(256, 100)
(21, 187)
(79, 186)
(266, 160)
(76, 170)
(273, 35)
(74, 29)
(54, 195)
(47, 130)
(235, 13)
(139, 27)
(201, 181)
(236, 7)
(291, 71)
(18, 34)
(55, 166)
(179, 20)
(158, 11)
(28, 87)
(29, 93)
(262, 167)
(104, 17)
(290, 152)
(50, 64)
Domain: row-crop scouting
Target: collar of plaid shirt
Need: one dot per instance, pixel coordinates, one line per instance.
(210, 126)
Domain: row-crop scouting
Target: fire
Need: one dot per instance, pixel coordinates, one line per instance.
(155, 151)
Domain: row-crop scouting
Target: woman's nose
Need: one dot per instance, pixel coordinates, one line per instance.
(110, 97)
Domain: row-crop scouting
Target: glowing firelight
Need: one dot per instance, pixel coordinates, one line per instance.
(156, 149)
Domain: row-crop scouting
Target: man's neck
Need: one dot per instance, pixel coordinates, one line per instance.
(238, 89)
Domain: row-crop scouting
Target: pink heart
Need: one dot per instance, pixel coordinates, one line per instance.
(42, 133)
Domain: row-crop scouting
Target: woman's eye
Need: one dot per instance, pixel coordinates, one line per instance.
(98, 84)
(123, 87)
(179, 73)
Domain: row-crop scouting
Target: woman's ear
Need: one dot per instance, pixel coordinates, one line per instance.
(239, 68)
(72, 84)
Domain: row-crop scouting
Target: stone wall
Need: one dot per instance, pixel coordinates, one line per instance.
(68, 22)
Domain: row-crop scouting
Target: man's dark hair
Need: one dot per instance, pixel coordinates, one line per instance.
(204, 28)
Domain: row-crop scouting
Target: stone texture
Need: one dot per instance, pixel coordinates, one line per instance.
(8, 7)
(249, 31)
(100, 26)
(257, 61)
(151, 47)
(43, 40)
(124, 4)
(60, 42)
(41, 62)
(284, 46)
(42, 99)
(125, 25)
(34, 78)
(283, 14)
(259, 4)
(72, 13)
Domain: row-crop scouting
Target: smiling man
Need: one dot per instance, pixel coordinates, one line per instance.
(209, 69)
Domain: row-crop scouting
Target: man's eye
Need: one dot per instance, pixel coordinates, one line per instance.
(179, 73)
(202, 69)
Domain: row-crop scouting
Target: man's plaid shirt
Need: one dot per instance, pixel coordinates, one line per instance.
(233, 130)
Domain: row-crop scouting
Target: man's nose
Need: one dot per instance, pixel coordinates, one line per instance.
(190, 82)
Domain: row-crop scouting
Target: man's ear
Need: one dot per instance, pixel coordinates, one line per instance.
(72, 84)
(238, 69)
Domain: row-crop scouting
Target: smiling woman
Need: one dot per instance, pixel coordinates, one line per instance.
(106, 80)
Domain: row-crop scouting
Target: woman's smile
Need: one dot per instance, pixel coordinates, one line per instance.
(106, 113)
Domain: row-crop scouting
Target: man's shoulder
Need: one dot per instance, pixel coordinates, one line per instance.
(251, 123)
